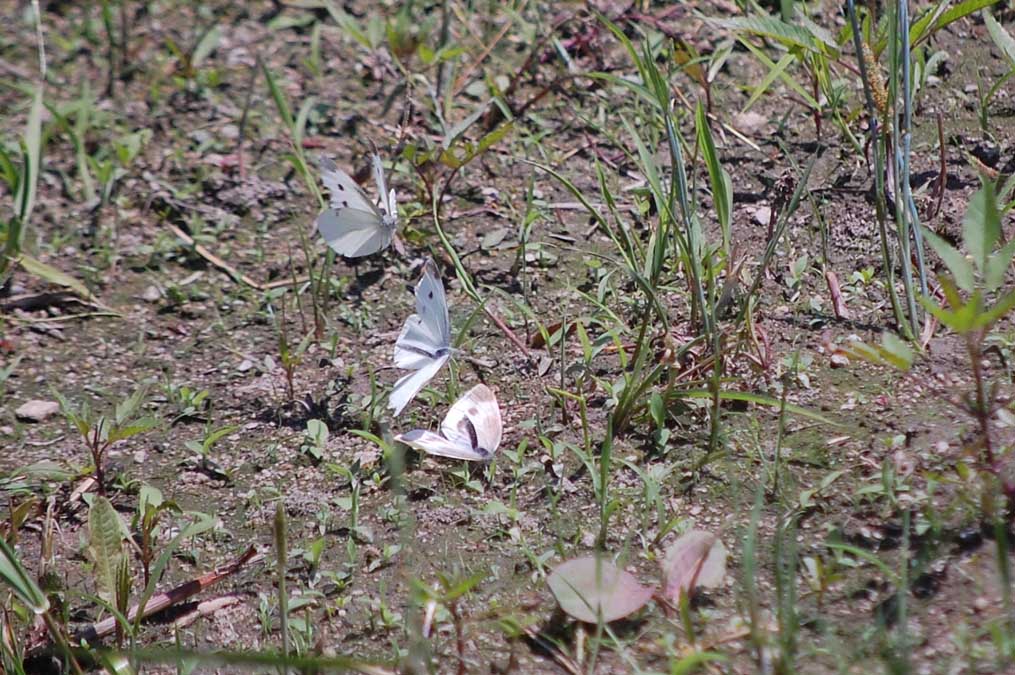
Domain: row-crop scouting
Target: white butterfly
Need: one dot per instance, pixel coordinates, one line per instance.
(424, 344)
(471, 430)
(354, 226)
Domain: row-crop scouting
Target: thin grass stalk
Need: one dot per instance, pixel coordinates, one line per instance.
(1004, 572)
(902, 594)
(605, 457)
(785, 589)
(907, 139)
(281, 562)
(899, 60)
(750, 569)
(717, 368)
(880, 201)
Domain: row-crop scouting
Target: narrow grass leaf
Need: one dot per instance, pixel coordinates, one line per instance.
(46, 272)
(776, 29)
(17, 578)
(722, 194)
(25, 200)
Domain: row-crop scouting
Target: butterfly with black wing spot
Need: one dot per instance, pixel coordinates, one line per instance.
(471, 430)
(354, 226)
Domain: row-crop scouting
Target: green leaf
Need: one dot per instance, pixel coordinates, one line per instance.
(280, 100)
(126, 408)
(759, 399)
(981, 226)
(785, 33)
(960, 11)
(25, 200)
(14, 574)
(203, 523)
(149, 497)
(957, 263)
(997, 266)
(1001, 37)
(105, 544)
(209, 41)
(54, 276)
(896, 351)
(786, 79)
(121, 433)
(995, 313)
(722, 195)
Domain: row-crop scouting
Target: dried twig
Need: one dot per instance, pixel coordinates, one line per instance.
(173, 596)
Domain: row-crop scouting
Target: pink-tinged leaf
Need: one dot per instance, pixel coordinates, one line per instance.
(590, 586)
(697, 558)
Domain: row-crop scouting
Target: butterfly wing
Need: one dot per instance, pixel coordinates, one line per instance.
(432, 304)
(353, 232)
(344, 192)
(435, 444)
(416, 345)
(409, 385)
(474, 421)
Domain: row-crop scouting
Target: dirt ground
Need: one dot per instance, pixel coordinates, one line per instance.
(213, 167)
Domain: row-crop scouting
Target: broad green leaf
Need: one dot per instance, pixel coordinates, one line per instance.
(981, 226)
(149, 497)
(139, 427)
(896, 351)
(592, 587)
(126, 408)
(957, 263)
(105, 544)
(17, 578)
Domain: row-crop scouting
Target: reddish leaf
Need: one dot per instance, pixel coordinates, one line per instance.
(697, 558)
(590, 586)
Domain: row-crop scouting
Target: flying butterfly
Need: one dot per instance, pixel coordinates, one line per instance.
(355, 226)
(424, 345)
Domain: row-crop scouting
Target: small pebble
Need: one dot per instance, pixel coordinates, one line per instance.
(37, 411)
(151, 294)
